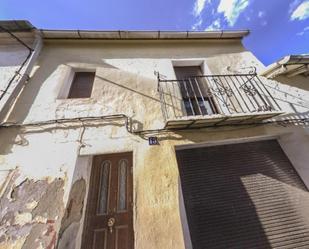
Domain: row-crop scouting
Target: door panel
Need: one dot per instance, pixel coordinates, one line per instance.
(104, 186)
(122, 185)
(99, 240)
(108, 221)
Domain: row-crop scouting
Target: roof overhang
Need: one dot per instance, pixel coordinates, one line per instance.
(142, 35)
(289, 66)
(20, 29)
(23, 26)
(16, 26)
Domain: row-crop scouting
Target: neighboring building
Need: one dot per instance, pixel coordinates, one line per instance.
(292, 70)
(157, 140)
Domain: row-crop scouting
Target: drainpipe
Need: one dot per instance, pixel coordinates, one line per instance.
(7, 99)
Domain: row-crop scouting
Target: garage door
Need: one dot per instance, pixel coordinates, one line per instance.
(243, 196)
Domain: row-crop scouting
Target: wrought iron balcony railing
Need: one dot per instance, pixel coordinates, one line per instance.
(215, 99)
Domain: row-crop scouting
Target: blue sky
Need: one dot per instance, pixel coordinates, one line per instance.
(278, 27)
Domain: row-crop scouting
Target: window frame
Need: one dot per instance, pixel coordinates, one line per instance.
(190, 99)
(68, 81)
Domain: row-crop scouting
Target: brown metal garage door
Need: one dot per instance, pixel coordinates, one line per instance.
(243, 196)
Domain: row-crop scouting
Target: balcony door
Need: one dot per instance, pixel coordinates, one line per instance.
(109, 216)
(194, 91)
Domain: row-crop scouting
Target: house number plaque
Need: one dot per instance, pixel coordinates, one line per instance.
(153, 141)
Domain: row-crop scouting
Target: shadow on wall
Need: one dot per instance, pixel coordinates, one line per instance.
(298, 119)
(12, 55)
(129, 89)
(11, 59)
(298, 81)
(293, 100)
(31, 90)
(150, 49)
(25, 102)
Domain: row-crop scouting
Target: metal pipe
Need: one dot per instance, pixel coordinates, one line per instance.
(211, 75)
(218, 85)
(211, 98)
(197, 102)
(257, 92)
(263, 95)
(230, 98)
(202, 95)
(248, 96)
(141, 132)
(240, 96)
(269, 94)
(188, 96)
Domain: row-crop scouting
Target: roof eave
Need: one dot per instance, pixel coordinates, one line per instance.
(277, 67)
(142, 35)
(16, 26)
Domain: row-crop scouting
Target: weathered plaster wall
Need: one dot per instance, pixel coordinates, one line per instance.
(117, 64)
(12, 54)
(299, 81)
(15, 65)
(11, 57)
(157, 222)
(51, 164)
(296, 90)
(33, 198)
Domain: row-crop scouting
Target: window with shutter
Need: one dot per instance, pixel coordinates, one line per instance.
(82, 84)
(244, 195)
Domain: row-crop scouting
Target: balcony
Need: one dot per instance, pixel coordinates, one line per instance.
(211, 100)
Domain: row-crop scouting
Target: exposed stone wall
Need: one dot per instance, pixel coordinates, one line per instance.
(71, 220)
(36, 180)
(30, 212)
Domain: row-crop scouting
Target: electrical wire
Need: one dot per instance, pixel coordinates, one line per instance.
(128, 123)
(18, 72)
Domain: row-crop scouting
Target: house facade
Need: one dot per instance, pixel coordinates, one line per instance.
(127, 139)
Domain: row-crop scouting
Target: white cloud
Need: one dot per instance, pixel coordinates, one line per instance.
(199, 6)
(214, 26)
(198, 24)
(261, 14)
(232, 9)
(301, 12)
(293, 5)
(303, 32)
(264, 23)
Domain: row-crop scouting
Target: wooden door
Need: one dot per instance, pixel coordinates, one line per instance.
(109, 216)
